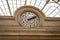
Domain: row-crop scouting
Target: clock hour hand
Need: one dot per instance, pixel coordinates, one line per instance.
(31, 18)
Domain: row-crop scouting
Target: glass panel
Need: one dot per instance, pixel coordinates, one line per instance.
(50, 8)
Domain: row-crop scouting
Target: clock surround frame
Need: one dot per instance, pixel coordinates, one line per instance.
(32, 9)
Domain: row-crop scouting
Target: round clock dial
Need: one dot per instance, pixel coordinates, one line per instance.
(29, 19)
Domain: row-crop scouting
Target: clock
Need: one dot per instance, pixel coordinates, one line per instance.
(29, 17)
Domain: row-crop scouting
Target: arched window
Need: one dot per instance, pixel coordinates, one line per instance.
(51, 8)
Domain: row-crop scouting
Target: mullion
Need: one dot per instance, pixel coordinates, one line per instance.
(45, 4)
(39, 3)
(20, 2)
(48, 9)
(9, 7)
(55, 1)
(53, 10)
(58, 1)
(13, 5)
(35, 2)
(4, 7)
(2, 11)
(25, 2)
(30, 2)
(16, 3)
(57, 13)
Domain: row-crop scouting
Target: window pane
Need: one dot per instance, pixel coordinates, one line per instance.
(49, 8)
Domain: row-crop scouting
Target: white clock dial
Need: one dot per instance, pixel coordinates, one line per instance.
(29, 19)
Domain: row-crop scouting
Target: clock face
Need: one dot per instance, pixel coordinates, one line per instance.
(29, 19)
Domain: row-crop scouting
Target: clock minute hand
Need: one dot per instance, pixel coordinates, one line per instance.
(31, 18)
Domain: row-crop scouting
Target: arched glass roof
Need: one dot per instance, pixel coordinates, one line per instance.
(51, 8)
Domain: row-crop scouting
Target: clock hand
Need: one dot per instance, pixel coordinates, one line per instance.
(31, 18)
